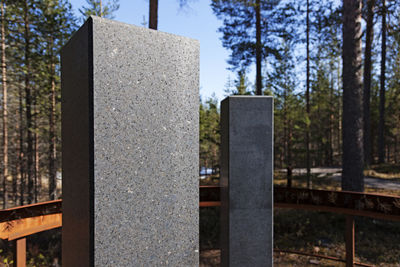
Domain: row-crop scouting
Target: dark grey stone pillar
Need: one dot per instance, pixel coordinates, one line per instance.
(246, 181)
(130, 147)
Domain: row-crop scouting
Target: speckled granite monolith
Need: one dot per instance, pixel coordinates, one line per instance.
(246, 181)
(130, 100)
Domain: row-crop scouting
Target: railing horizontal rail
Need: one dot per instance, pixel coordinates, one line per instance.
(377, 206)
(351, 203)
(320, 256)
(31, 210)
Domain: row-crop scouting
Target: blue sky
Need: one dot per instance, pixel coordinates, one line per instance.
(195, 21)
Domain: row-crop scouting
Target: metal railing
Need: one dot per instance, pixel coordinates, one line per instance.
(19, 222)
(378, 206)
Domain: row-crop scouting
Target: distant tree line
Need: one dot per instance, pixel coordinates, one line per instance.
(299, 45)
(32, 33)
(295, 48)
(209, 134)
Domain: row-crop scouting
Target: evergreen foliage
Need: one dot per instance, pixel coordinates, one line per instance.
(36, 31)
(209, 134)
(100, 8)
(284, 23)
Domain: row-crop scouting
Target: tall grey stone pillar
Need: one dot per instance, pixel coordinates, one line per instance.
(130, 147)
(246, 181)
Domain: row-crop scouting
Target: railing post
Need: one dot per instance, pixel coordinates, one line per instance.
(246, 181)
(350, 244)
(20, 252)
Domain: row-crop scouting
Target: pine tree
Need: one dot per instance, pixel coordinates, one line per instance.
(367, 81)
(56, 26)
(100, 9)
(353, 156)
(240, 85)
(153, 14)
(282, 81)
(209, 134)
(248, 31)
(5, 102)
(308, 159)
(381, 130)
(37, 31)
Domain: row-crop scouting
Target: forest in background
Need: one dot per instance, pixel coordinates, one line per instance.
(32, 33)
(295, 48)
(301, 66)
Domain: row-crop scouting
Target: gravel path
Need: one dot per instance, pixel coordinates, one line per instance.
(337, 175)
(374, 182)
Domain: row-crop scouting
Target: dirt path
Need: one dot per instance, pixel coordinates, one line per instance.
(374, 182)
(335, 173)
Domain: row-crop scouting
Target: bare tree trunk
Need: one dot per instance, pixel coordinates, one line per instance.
(319, 130)
(308, 163)
(153, 14)
(21, 147)
(52, 137)
(28, 104)
(388, 153)
(340, 112)
(258, 49)
(367, 82)
(289, 163)
(381, 127)
(17, 166)
(287, 137)
(5, 111)
(353, 156)
(331, 115)
(36, 149)
(395, 149)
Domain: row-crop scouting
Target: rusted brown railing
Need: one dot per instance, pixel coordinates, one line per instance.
(321, 257)
(351, 204)
(377, 206)
(31, 210)
(19, 222)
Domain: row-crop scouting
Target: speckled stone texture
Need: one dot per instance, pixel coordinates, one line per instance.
(246, 181)
(141, 131)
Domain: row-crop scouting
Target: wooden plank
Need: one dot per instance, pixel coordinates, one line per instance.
(20, 252)
(23, 227)
(31, 210)
(204, 204)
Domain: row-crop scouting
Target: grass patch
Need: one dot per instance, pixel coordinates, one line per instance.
(323, 233)
(209, 228)
(384, 171)
(386, 168)
(318, 181)
(210, 180)
(380, 175)
(320, 232)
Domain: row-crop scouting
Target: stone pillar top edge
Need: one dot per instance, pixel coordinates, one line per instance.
(248, 96)
(96, 19)
(226, 99)
(75, 35)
